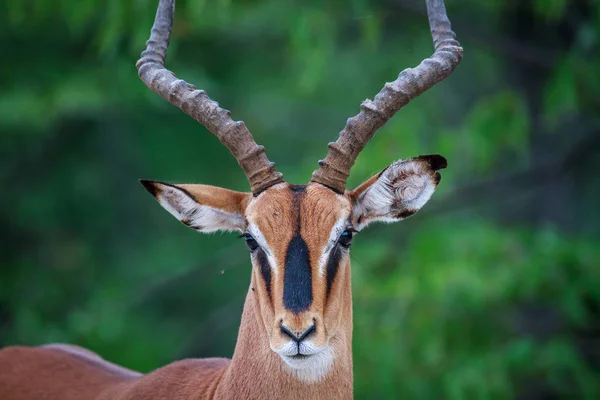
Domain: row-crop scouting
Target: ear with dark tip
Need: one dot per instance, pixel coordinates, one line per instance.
(150, 186)
(435, 161)
(398, 191)
(201, 207)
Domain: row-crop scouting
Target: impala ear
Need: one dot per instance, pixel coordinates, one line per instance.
(398, 191)
(201, 207)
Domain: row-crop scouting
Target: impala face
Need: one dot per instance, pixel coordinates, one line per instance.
(299, 238)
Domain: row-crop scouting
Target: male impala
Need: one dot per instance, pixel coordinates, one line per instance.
(295, 337)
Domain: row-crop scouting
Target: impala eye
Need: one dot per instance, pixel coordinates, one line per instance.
(346, 238)
(250, 241)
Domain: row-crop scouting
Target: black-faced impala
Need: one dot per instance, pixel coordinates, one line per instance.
(295, 337)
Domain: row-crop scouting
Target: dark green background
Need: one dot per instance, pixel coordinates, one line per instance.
(492, 291)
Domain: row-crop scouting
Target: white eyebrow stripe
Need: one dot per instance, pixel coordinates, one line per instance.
(258, 236)
(336, 231)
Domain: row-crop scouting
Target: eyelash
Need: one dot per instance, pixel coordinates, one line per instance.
(250, 242)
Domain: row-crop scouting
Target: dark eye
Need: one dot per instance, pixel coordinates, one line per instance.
(346, 238)
(250, 241)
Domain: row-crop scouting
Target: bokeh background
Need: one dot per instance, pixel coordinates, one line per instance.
(492, 291)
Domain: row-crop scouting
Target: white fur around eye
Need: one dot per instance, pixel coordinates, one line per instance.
(197, 216)
(259, 237)
(336, 231)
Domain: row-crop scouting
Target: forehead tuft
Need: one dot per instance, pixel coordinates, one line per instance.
(284, 210)
(323, 203)
(323, 210)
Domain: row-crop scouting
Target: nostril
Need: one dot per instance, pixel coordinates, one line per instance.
(298, 336)
(286, 331)
(309, 331)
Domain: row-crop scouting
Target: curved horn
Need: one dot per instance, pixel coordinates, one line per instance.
(234, 135)
(334, 169)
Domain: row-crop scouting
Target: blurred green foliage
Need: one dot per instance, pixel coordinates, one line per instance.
(491, 292)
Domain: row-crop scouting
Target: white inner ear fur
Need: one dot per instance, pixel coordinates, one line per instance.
(404, 187)
(195, 215)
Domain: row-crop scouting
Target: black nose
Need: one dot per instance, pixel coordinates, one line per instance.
(296, 335)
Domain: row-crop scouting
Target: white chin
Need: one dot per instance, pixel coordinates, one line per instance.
(299, 362)
(310, 368)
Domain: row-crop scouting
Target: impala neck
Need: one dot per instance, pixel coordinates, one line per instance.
(256, 371)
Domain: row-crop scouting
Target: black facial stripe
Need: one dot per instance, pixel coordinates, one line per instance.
(265, 269)
(333, 264)
(297, 278)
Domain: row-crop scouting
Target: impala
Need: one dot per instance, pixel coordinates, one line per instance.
(295, 337)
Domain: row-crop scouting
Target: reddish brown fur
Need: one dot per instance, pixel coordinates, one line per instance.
(216, 197)
(255, 371)
(71, 373)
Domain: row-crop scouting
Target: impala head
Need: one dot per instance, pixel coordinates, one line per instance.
(299, 236)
